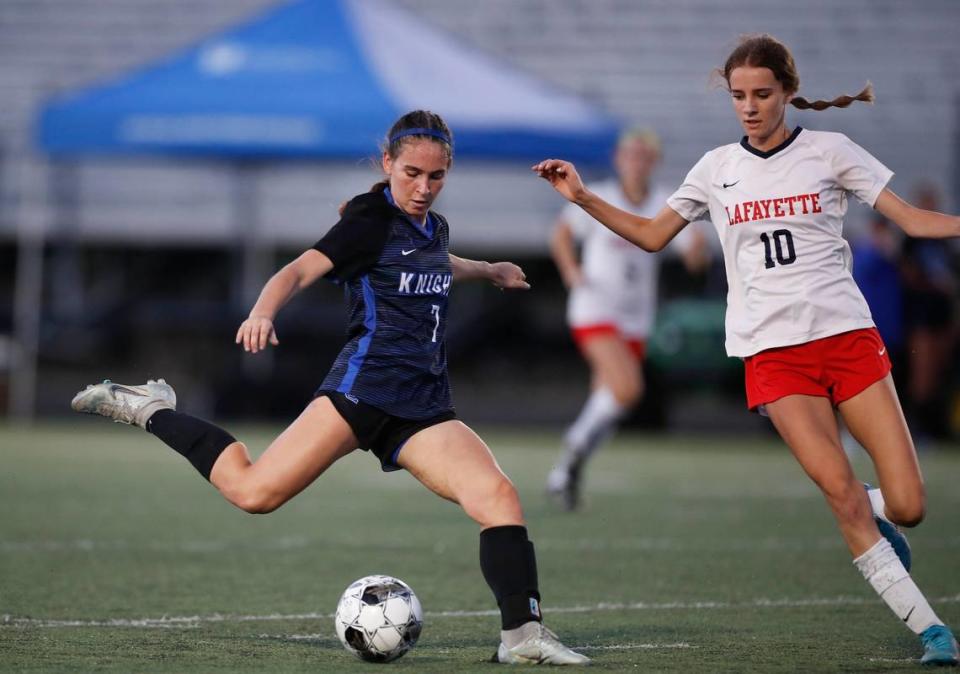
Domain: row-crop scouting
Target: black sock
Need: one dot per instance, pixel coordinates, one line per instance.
(199, 441)
(509, 565)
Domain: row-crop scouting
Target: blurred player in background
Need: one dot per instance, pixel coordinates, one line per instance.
(794, 313)
(388, 390)
(612, 303)
(930, 293)
(877, 271)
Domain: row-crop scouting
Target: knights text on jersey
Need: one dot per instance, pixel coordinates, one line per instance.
(398, 276)
(779, 216)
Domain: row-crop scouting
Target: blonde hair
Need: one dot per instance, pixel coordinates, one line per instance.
(648, 136)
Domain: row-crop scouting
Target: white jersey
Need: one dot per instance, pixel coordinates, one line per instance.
(779, 215)
(619, 279)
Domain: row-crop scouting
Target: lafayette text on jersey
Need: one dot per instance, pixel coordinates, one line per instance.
(779, 215)
(399, 276)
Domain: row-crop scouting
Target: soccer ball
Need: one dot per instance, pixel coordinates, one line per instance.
(378, 618)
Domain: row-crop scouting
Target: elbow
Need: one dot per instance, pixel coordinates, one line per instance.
(649, 246)
(909, 227)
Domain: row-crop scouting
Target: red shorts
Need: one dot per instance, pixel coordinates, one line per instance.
(837, 367)
(583, 334)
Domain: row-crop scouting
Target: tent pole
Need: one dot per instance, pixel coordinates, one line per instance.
(27, 300)
(253, 254)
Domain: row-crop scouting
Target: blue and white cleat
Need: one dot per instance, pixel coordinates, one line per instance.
(126, 404)
(892, 533)
(939, 647)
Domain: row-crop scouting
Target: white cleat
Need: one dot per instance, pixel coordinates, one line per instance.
(126, 404)
(540, 647)
(563, 487)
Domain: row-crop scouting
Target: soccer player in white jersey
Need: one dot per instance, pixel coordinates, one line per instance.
(612, 303)
(794, 314)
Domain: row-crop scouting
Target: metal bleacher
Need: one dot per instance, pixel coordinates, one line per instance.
(649, 62)
(646, 61)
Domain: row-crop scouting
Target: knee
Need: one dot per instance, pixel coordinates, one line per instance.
(254, 499)
(627, 391)
(908, 512)
(847, 498)
(627, 395)
(495, 503)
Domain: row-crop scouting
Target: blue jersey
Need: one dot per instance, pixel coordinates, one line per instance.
(398, 276)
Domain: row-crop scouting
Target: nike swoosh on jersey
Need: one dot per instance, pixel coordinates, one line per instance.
(726, 185)
(407, 252)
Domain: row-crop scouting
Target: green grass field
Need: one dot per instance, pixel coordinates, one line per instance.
(692, 554)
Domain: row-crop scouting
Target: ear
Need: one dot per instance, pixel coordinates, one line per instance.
(387, 163)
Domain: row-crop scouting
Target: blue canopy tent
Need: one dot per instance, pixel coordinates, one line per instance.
(316, 78)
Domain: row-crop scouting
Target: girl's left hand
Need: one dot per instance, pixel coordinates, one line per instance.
(507, 275)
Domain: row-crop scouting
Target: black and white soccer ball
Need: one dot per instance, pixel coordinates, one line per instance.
(378, 618)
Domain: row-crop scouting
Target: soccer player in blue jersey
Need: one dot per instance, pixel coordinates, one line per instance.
(388, 390)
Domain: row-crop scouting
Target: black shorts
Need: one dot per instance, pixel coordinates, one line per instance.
(379, 432)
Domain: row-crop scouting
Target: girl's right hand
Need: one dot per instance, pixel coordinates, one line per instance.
(563, 176)
(255, 333)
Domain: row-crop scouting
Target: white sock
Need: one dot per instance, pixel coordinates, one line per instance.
(884, 571)
(514, 637)
(877, 504)
(596, 422)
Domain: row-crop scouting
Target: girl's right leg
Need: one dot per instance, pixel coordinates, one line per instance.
(313, 442)
(616, 386)
(299, 455)
(809, 427)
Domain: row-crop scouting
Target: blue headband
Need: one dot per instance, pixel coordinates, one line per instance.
(433, 133)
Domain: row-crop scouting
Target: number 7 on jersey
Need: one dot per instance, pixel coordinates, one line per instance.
(435, 311)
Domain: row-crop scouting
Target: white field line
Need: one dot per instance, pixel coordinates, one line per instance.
(326, 638)
(197, 620)
(649, 544)
(632, 647)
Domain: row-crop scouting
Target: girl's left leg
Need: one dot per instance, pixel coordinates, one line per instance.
(809, 427)
(876, 420)
(616, 386)
(453, 462)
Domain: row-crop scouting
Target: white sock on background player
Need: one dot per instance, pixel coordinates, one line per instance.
(885, 573)
(877, 504)
(596, 422)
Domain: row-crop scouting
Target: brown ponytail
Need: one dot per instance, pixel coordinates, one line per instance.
(765, 51)
(376, 188)
(839, 102)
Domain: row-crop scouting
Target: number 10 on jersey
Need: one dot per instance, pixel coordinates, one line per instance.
(782, 244)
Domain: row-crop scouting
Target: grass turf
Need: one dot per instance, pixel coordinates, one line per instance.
(708, 554)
